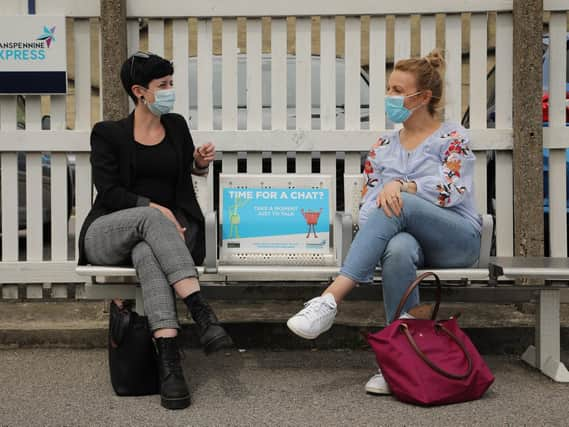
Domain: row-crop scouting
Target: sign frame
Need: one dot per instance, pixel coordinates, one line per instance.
(33, 55)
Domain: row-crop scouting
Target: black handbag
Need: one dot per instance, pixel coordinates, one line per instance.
(132, 355)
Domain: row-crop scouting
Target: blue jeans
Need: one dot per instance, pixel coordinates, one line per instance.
(423, 235)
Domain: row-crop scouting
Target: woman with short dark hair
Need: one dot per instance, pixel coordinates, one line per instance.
(146, 213)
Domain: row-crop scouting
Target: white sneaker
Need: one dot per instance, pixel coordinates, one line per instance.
(377, 384)
(316, 317)
(406, 316)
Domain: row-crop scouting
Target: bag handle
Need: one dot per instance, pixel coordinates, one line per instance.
(410, 289)
(405, 329)
(120, 318)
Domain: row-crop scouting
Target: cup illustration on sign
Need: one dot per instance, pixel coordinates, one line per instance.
(311, 218)
(234, 218)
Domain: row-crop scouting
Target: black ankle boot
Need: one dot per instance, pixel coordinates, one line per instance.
(212, 335)
(174, 391)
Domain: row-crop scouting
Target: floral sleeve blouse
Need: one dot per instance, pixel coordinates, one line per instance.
(442, 166)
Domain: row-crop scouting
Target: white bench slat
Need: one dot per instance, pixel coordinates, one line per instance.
(205, 77)
(9, 171)
(156, 36)
(327, 73)
(402, 47)
(34, 186)
(254, 74)
(504, 70)
(59, 207)
(352, 74)
(180, 41)
(133, 43)
(303, 74)
(279, 71)
(9, 182)
(353, 163)
(377, 72)
(255, 163)
(453, 71)
(504, 204)
(229, 74)
(478, 70)
(303, 163)
(480, 182)
(428, 34)
(34, 207)
(269, 272)
(82, 74)
(83, 188)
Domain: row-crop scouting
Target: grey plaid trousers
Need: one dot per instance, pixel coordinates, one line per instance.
(145, 238)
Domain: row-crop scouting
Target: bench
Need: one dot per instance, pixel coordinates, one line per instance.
(105, 282)
(545, 354)
(261, 266)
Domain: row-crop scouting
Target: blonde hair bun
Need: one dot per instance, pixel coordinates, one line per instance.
(435, 58)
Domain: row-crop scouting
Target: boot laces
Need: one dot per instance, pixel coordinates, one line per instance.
(204, 316)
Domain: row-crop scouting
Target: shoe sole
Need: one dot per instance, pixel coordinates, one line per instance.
(176, 403)
(302, 334)
(377, 391)
(219, 343)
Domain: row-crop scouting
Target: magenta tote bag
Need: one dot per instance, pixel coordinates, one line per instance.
(428, 361)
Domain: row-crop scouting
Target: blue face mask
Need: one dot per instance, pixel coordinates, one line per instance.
(395, 110)
(163, 102)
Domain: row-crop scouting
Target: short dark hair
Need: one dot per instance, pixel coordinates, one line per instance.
(141, 68)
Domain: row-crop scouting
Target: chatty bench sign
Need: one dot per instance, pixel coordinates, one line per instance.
(33, 55)
(275, 218)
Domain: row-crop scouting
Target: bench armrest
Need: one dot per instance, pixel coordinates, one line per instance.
(343, 234)
(210, 261)
(485, 240)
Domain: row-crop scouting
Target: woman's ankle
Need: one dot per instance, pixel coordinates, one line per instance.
(165, 333)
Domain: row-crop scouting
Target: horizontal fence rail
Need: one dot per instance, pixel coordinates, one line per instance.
(296, 86)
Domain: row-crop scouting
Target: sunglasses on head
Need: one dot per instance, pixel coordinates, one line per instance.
(140, 54)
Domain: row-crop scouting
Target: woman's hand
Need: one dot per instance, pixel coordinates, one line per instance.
(204, 155)
(168, 214)
(390, 198)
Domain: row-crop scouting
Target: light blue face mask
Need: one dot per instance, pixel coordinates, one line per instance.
(395, 110)
(163, 102)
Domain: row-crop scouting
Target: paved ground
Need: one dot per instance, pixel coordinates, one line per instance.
(301, 388)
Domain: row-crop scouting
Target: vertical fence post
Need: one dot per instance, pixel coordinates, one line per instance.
(527, 122)
(113, 45)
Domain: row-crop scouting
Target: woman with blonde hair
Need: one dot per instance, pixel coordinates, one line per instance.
(418, 207)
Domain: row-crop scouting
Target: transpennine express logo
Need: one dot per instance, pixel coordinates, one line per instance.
(48, 35)
(28, 50)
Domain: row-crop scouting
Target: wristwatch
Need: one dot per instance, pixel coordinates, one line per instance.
(404, 186)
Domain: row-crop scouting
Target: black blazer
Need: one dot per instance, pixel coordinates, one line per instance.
(113, 168)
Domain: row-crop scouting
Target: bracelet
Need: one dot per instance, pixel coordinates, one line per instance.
(198, 169)
(404, 186)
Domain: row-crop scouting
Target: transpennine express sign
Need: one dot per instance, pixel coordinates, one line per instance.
(33, 55)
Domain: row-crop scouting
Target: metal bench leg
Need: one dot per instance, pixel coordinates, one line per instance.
(545, 355)
(138, 302)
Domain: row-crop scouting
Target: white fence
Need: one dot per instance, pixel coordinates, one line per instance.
(372, 27)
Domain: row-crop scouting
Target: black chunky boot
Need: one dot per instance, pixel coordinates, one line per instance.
(174, 391)
(212, 335)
